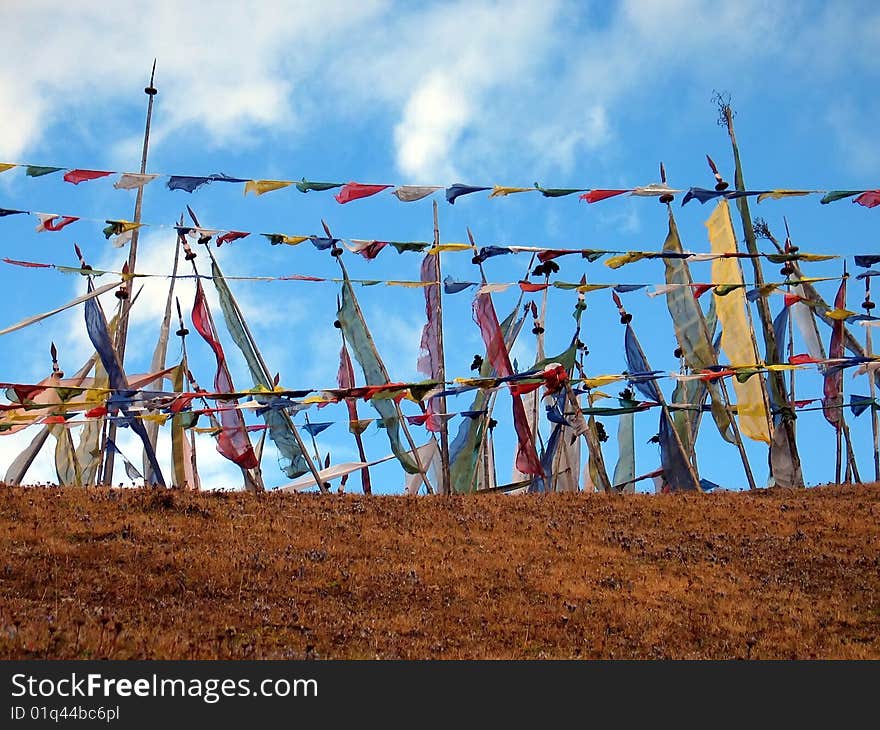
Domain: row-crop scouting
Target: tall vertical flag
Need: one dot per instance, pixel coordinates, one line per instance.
(736, 337)
(496, 352)
(96, 326)
(232, 441)
(832, 402)
(358, 336)
(292, 460)
(690, 325)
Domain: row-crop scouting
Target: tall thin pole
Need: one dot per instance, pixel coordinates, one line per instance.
(122, 331)
(868, 305)
(776, 379)
(445, 481)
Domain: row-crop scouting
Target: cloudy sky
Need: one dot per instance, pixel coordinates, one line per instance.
(569, 94)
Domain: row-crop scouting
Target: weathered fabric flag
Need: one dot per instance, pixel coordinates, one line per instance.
(96, 326)
(832, 402)
(231, 236)
(292, 461)
(675, 463)
(690, 325)
(357, 335)
(232, 441)
(594, 196)
(133, 180)
(53, 222)
(870, 199)
(78, 176)
(527, 460)
(464, 451)
(306, 186)
(736, 330)
(259, 187)
(429, 351)
(454, 192)
(356, 191)
(39, 171)
(411, 193)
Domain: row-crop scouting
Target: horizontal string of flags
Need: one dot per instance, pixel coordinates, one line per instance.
(455, 286)
(350, 191)
(119, 232)
(22, 395)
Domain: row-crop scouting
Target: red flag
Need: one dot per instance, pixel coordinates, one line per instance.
(353, 191)
(484, 314)
(792, 299)
(231, 236)
(429, 349)
(870, 198)
(78, 176)
(700, 289)
(50, 222)
(594, 196)
(802, 359)
(232, 440)
(371, 250)
(528, 286)
(28, 264)
(834, 377)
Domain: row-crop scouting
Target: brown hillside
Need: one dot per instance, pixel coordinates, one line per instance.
(144, 574)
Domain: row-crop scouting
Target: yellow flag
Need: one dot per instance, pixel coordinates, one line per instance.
(4, 166)
(615, 262)
(778, 194)
(736, 340)
(600, 380)
(499, 191)
(265, 186)
(449, 247)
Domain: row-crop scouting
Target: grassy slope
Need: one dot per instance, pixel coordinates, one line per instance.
(158, 575)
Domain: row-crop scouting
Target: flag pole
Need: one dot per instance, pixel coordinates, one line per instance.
(122, 331)
(354, 428)
(776, 379)
(445, 482)
(868, 305)
(403, 423)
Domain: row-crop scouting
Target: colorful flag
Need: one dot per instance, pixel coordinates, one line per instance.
(354, 328)
(53, 222)
(690, 324)
(292, 462)
(833, 399)
(96, 326)
(500, 191)
(265, 186)
(870, 198)
(133, 180)
(594, 196)
(78, 176)
(38, 171)
(304, 186)
(736, 330)
(453, 192)
(231, 236)
(355, 191)
(411, 193)
(429, 363)
(232, 441)
(496, 353)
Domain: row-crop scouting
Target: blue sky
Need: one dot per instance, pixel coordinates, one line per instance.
(568, 94)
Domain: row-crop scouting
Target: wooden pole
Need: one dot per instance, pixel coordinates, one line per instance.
(122, 330)
(445, 481)
(776, 379)
(868, 305)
